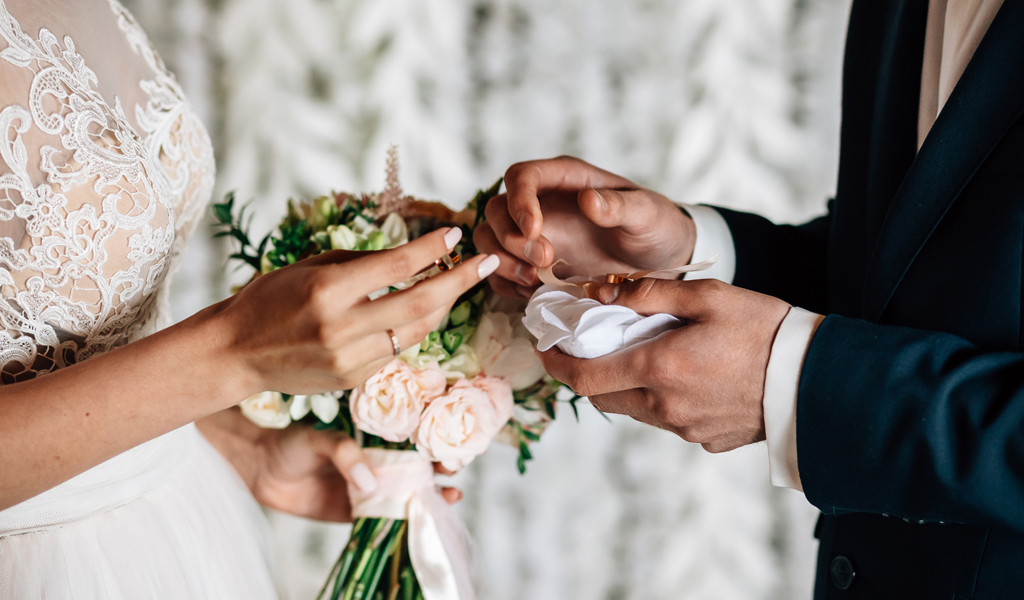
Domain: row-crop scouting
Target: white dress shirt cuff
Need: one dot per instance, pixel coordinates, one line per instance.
(713, 237)
(781, 383)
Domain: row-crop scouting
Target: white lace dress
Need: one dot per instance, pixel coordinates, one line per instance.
(104, 173)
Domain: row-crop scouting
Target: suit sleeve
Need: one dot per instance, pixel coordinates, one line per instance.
(916, 424)
(785, 261)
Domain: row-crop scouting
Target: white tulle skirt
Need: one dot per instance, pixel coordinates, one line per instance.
(170, 519)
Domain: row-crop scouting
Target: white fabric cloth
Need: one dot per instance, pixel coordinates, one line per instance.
(104, 172)
(563, 316)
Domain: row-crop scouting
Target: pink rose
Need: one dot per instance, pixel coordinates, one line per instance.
(389, 404)
(459, 425)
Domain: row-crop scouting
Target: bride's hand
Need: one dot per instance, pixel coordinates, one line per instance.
(310, 328)
(295, 470)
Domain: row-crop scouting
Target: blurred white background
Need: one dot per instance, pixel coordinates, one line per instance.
(730, 102)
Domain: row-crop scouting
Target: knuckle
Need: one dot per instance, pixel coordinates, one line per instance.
(514, 172)
(401, 263)
(318, 290)
(643, 289)
(687, 433)
(323, 334)
(420, 306)
(580, 383)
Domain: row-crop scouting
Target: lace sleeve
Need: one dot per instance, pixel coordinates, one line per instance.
(94, 207)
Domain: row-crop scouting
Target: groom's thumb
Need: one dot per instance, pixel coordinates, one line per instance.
(629, 209)
(690, 300)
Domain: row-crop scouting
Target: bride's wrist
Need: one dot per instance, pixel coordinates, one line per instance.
(216, 332)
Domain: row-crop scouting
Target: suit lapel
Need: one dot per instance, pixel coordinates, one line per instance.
(984, 104)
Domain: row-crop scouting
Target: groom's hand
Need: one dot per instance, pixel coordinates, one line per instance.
(703, 381)
(565, 209)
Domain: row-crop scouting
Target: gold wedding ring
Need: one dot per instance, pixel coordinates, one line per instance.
(615, 278)
(447, 263)
(396, 346)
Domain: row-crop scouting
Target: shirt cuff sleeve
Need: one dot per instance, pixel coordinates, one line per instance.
(781, 383)
(713, 237)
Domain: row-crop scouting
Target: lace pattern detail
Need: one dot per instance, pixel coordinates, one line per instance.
(106, 207)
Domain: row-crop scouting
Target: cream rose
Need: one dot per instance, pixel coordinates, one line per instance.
(267, 409)
(324, 406)
(389, 404)
(457, 427)
(505, 350)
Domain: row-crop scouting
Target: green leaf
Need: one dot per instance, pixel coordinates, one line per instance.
(482, 198)
(575, 411)
(533, 437)
(223, 213)
(521, 464)
(452, 340)
(460, 314)
(524, 451)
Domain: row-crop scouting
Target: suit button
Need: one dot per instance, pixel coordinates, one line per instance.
(841, 572)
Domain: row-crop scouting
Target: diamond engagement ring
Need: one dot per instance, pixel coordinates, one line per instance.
(395, 344)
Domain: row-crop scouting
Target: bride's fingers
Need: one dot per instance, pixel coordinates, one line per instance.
(451, 495)
(423, 299)
(381, 269)
(347, 457)
(442, 470)
(379, 349)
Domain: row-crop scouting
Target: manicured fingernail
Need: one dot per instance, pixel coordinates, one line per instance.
(533, 251)
(452, 237)
(525, 274)
(525, 221)
(488, 266)
(363, 477)
(601, 200)
(608, 293)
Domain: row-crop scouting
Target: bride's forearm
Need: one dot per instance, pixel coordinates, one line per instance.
(59, 425)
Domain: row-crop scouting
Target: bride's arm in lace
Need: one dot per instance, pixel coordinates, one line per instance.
(303, 329)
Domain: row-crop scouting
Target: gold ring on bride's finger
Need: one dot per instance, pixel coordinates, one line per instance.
(447, 263)
(396, 346)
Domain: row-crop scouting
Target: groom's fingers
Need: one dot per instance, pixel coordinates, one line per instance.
(615, 372)
(512, 268)
(525, 181)
(690, 300)
(635, 211)
(538, 251)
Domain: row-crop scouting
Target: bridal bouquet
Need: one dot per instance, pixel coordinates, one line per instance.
(475, 378)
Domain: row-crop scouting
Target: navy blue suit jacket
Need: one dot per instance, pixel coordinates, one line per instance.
(910, 410)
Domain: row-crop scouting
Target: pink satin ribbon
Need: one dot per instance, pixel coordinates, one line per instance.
(406, 490)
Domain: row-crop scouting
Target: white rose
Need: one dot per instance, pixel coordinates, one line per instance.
(389, 404)
(462, 364)
(324, 406)
(267, 409)
(458, 426)
(506, 351)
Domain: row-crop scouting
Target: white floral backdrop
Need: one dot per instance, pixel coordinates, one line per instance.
(731, 102)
